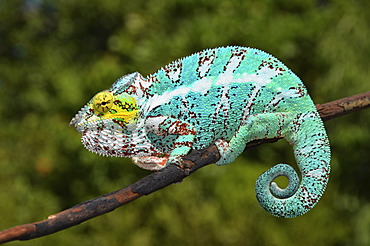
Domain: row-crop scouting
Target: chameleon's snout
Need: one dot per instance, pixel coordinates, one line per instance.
(77, 121)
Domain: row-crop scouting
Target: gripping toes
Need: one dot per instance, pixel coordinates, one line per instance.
(153, 163)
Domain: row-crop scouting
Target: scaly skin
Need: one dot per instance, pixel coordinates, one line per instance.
(226, 96)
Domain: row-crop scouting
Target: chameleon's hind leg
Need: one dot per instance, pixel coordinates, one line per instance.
(262, 126)
(259, 126)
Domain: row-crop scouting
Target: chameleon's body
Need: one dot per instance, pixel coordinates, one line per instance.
(226, 96)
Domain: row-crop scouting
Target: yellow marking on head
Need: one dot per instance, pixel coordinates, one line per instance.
(102, 102)
(121, 107)
(127, 117)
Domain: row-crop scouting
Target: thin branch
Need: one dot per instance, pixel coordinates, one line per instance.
(156, 181)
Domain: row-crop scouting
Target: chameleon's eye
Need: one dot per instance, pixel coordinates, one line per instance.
(103, 101)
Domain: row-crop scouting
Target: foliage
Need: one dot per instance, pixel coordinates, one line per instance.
(55, 55)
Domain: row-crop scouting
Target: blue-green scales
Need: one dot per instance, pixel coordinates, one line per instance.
(226, 96)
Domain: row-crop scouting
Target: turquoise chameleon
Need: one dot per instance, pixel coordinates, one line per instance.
(226, 96)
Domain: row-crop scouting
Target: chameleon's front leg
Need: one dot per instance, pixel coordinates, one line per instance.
(163, 126)
(152, 163)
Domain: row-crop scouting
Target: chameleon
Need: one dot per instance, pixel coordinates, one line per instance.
(226, 96)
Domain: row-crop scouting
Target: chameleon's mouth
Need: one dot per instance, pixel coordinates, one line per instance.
(109, 142)
(77, 122)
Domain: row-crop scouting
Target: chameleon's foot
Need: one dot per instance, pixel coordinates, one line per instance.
(152, 163)
(226, 152)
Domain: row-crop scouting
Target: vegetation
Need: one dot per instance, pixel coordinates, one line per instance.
(55, 55)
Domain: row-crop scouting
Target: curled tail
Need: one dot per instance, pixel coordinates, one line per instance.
(312, 153)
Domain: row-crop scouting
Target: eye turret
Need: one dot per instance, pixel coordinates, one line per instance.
(103, 101)
(121, 109)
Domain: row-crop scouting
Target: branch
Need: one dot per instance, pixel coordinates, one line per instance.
(156, 181)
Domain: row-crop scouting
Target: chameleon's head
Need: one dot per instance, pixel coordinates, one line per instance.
(105, 121)
(106, 110)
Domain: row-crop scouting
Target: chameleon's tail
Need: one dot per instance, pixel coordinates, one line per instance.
(312, 153)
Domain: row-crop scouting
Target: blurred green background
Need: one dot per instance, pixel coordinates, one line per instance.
(55, 55)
